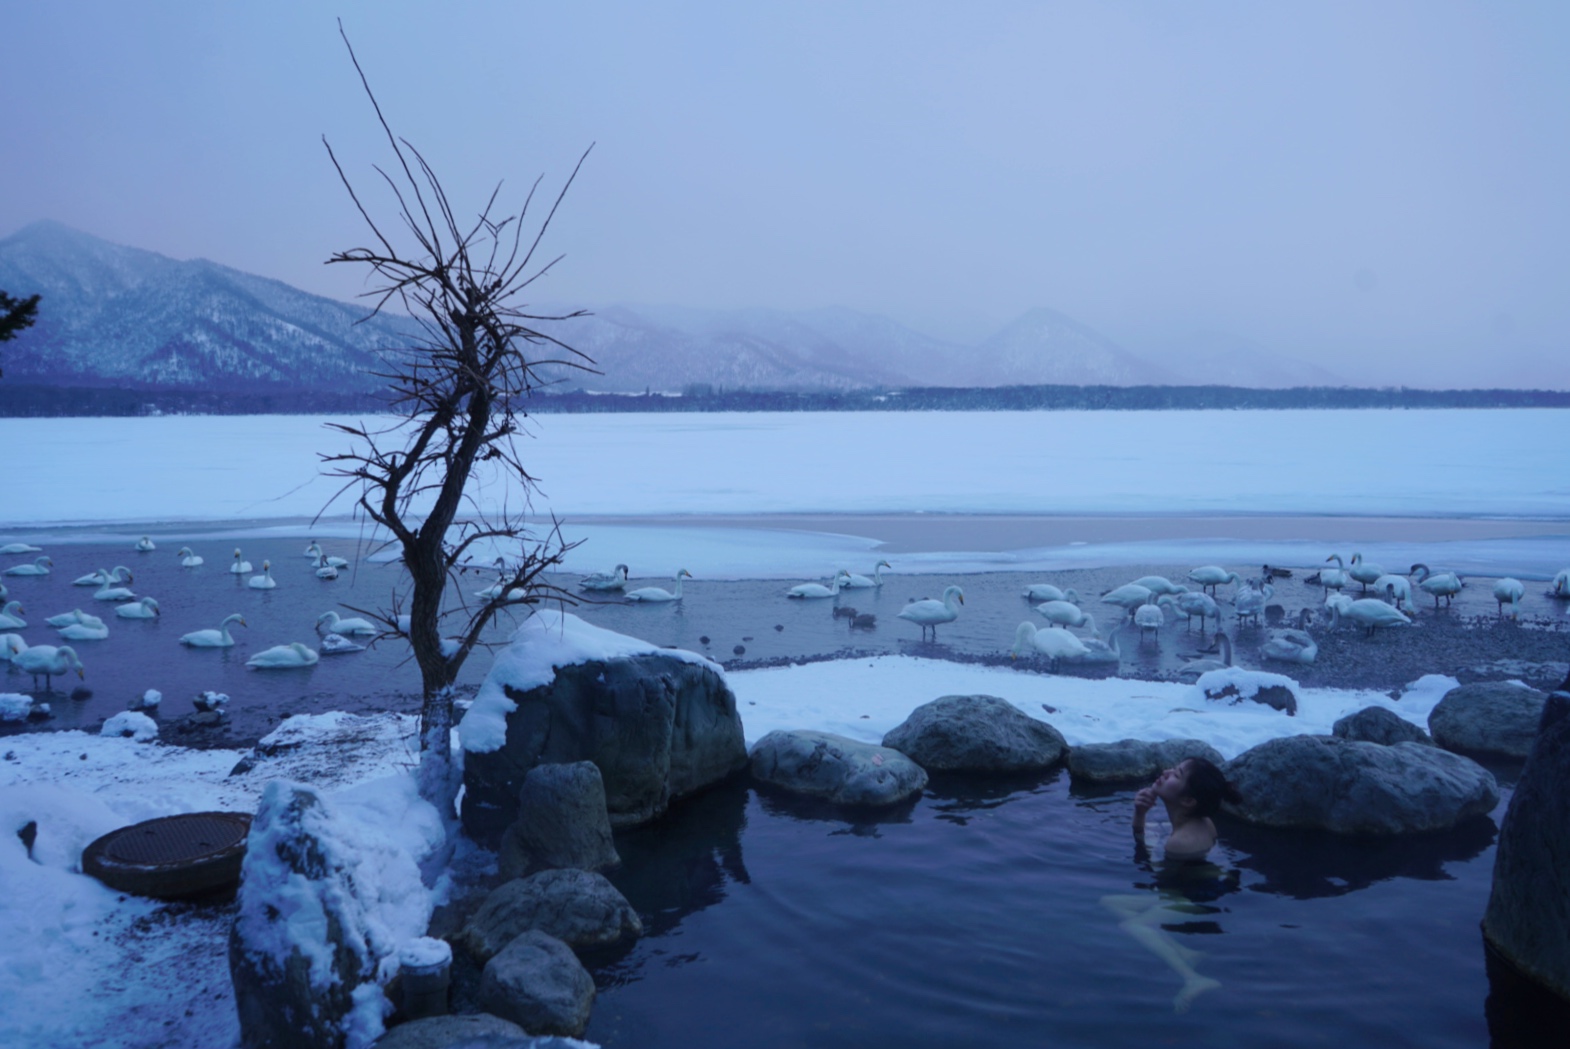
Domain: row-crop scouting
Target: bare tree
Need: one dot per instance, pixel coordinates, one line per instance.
(458, 397)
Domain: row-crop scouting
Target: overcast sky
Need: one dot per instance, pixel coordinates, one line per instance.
(1376, 187)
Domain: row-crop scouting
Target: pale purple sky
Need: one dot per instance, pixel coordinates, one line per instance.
(1377, 187)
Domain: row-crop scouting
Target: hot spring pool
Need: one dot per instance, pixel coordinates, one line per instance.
(975, 917)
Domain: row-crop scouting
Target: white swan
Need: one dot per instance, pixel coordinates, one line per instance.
(861, 582)
(11, 616)
(1250, 602)
(615, 579)
(1128, 597)
(40, 566)
(1394, 588)
(20, 548)
(325, 570)
(11, 646)
(1047, 592)
(265, 581)
(654, 595)
(120, 574)
(1559, 588)
(188, 559)
(146, 608)
(282, 657)
(1160, 584)
(219, 638)
(1442, 584)
(239, 566)
(1057, 644)
(145, 545)
(1196, 668)
(329, 622)
(1368, 612)
(113, 592)
(1212, 576)
(84, 632)
(929, 613)
(1510, 590)
(1364, 572)
(1334, 578)
(1193, 603)
(49, 661)
(1292, 645)
(337, 644)
(1066, 613)
(1099, 651)
(804, 590)
(78, 616)
(1149, 617)
(314, 551)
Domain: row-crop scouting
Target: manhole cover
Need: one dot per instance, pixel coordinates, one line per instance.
(172, 856)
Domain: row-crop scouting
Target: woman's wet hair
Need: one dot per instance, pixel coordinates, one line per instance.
(1208, 787)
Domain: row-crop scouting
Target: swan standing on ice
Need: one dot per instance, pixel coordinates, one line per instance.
(1128, 597)
(145, 545)
(654, 595)
(1394, 588)
(84, 632)
(1066, 613)
(1559, 588)
(11, 646)
(1334, 578)
(1293, 645)
(1196, 668)
(1364, 572)
(1149, 617)
(1160, 585)
(929, 613)
(1251, 602)
(49, 661)
(1193, 603)
(818, 589)
(861, 582)
(282, 657)
(11, 616)
(1211, 576)
(219, 638)
(78, 616)
(187, 558)
(1057, 644)
(265, 581)
(40, 566)
(1510, 590)
(615, 579)
(146, 608)
(1368, 612)
(1444, 584)
(1047, 592)
(330, 623)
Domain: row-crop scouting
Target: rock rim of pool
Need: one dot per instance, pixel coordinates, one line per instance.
(1498, 718)
(1135, 760)
(977, 734)
(1358, 788)
(838, 769)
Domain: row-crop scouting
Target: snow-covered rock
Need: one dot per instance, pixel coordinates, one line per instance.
(841, 770)
(129, 723)
(976, 734)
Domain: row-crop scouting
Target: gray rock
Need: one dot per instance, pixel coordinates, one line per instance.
(280, 1006)
(1489, 717)
(562, 822)
(539, 984)
(1135, 760)
(1352, 787)
(1529, 907)
(823, 765)
(976, 734)
(442, 1032)
(1379, 725)
(579, 908)
(657, 727)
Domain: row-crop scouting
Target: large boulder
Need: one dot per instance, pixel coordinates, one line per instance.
(1379, 725)
(1528, 915)
(480, 1031)
(976, 734)
(579, 908)
(841, 770)
(1353, 787)
(1488, 717)
(1234, 685)
(659, 724)
(539, 984)
(1135, 760)
(562, 822)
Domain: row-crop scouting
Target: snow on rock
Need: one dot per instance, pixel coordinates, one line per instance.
(545, 641)
(139, 727)
(148, 700)
(1236, 684)
(14, 706)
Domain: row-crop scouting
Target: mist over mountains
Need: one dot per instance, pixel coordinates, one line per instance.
(120, 316)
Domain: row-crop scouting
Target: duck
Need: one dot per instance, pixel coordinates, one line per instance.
(188, 559)
(146, 608)
(265, 581)
(145, 545)
(1160, 585)
(1333, 578)
(1149, 617)
(85, 632)
(1057, 644)
(1193, 603)
(1211, 576)
(1443, 584)
(615, 579)
(1196, 668)
(1292, 645)
(220, 638)
(110, 591)
(1250, 601)
(1129, 596)
(1559, 588)
(40, 566)
(282, 657)
(77, 616)
(329, 622)
(1395, 588)
(119, 574)
(806, 590)
(1511, 590)
(655, 595)
(49, 661)
(1047, 592)
(240, 566)
(11, 616)
(861, 582)
(928, 614)
(1368, 612)
(20, 548)
(1066, 613)
(1364, 572)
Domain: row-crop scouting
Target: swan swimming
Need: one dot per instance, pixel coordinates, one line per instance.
(337, 644)
(187, 558)
(1066, 613)
(239, 566)
(1193, 603)
(1057, 644)
(804, 590)
(929, 613)
(1510, 590)
(615, 579)
(861, 582)
(265, 581)
(325, 570)
(40, 566)
(49, 661)
(314, 551)
(20, 548)
(220, 638)
(112, 592)
(1211, 576)
(1047, 592)
(11, 616)
(146, 608)
(1368, 612)
(1364, 572)
(83, 632)
(145, 545)
(655, 595)
(1443, 584)
(282, 657)
(119, 574)
(329, 622)
(78, 616)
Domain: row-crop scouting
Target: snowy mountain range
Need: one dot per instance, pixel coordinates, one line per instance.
(120, 316)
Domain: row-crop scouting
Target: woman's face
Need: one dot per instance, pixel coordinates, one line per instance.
(1173, 783)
